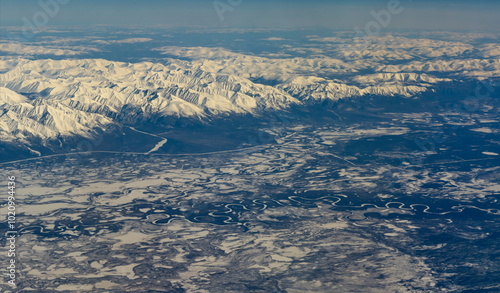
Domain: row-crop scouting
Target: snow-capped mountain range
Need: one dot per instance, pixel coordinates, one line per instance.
(46, 99)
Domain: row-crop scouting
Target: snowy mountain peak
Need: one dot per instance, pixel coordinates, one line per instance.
(10, 97)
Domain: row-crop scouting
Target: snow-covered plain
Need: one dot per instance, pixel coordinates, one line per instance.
(303, 215)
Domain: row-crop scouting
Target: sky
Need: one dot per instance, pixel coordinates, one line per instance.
(478, 15)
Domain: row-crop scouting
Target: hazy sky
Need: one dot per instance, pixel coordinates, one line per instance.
(417, 14)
